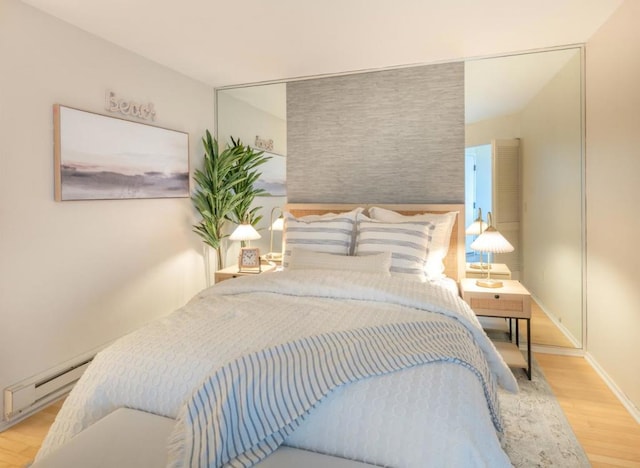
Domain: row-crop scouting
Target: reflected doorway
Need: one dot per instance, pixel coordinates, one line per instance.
(477, 189)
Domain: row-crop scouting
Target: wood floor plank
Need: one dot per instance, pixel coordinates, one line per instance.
(543, 330)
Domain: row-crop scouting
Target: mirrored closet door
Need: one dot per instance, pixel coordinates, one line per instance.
(529, 101)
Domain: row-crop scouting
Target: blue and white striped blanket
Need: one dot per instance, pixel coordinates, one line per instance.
(246, 409)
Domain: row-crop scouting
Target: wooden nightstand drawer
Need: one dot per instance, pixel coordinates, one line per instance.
(511, 300)
(511, 305)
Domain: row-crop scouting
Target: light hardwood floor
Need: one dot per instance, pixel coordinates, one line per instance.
(608, 433)
(20, 443)
(544, 331)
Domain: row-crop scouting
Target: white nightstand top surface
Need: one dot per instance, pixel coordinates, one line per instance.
(266, 267)
(508, 287)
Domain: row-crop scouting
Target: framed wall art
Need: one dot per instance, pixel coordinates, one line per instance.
(106, 158)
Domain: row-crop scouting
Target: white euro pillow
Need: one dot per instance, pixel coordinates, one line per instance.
(308, 259)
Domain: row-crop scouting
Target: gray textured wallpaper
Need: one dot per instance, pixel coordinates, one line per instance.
(392, 136)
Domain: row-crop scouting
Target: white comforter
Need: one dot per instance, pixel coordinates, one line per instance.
(434, 414)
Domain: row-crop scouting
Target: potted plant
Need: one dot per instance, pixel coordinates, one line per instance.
(225, 189)
(245, 170)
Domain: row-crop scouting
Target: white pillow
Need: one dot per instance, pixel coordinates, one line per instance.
(331, 233)
(407, 242)
(308, 259)
(439, 246)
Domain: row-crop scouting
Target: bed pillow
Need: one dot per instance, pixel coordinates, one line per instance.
(330, 233)
(308, 259)
(407, 242)
(439, 246)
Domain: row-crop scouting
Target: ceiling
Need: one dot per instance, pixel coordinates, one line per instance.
(224, 43)
(503, 86)
(271, 98)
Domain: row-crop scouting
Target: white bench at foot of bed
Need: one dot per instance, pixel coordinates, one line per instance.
(129, 438)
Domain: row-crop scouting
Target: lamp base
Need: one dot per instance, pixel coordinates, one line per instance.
(480, 266)
(489, 283)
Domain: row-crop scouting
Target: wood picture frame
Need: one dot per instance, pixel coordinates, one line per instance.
(98, 157)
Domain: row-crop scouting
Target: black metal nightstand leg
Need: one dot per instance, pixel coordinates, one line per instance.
(528, 348)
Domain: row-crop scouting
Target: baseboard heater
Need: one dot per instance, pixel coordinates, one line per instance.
(28, 396)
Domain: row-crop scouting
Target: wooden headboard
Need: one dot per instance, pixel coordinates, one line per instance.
(454, 262)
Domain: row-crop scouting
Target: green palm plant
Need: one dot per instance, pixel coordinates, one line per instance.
(246, 171)
(225, 189)
(215, 196)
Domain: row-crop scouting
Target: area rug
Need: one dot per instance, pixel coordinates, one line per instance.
(537, 433)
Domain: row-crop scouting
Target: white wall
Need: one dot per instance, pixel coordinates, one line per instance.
(481, 133)
(551, 152)
(76, 275)
(613, 197)
(241, 120)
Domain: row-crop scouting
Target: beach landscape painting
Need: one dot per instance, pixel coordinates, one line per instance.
(105, 158)
(273, 177)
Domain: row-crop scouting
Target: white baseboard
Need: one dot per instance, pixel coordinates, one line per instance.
(546, 349)
(44, 402)
(626, 402)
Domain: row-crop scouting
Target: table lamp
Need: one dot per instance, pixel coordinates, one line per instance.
(491, 241)
(275, 225)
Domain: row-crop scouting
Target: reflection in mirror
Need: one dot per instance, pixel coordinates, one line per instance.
(526, 105)
(257, 115)
(524, 135)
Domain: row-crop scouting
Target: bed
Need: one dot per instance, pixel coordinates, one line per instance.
(333, 355)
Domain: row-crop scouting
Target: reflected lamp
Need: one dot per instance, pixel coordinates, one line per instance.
(275, 224)
(491, 241)
(475, 229)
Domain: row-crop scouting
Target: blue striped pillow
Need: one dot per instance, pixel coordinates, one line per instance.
(330, 233)
(407, 242)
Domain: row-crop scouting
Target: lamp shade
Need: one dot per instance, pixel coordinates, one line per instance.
(278, 224)
(491, 241)
(244, 232)
(476, 228)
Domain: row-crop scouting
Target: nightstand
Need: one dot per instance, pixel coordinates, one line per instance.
(512, 301)
(232, 272)
(498, 271)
